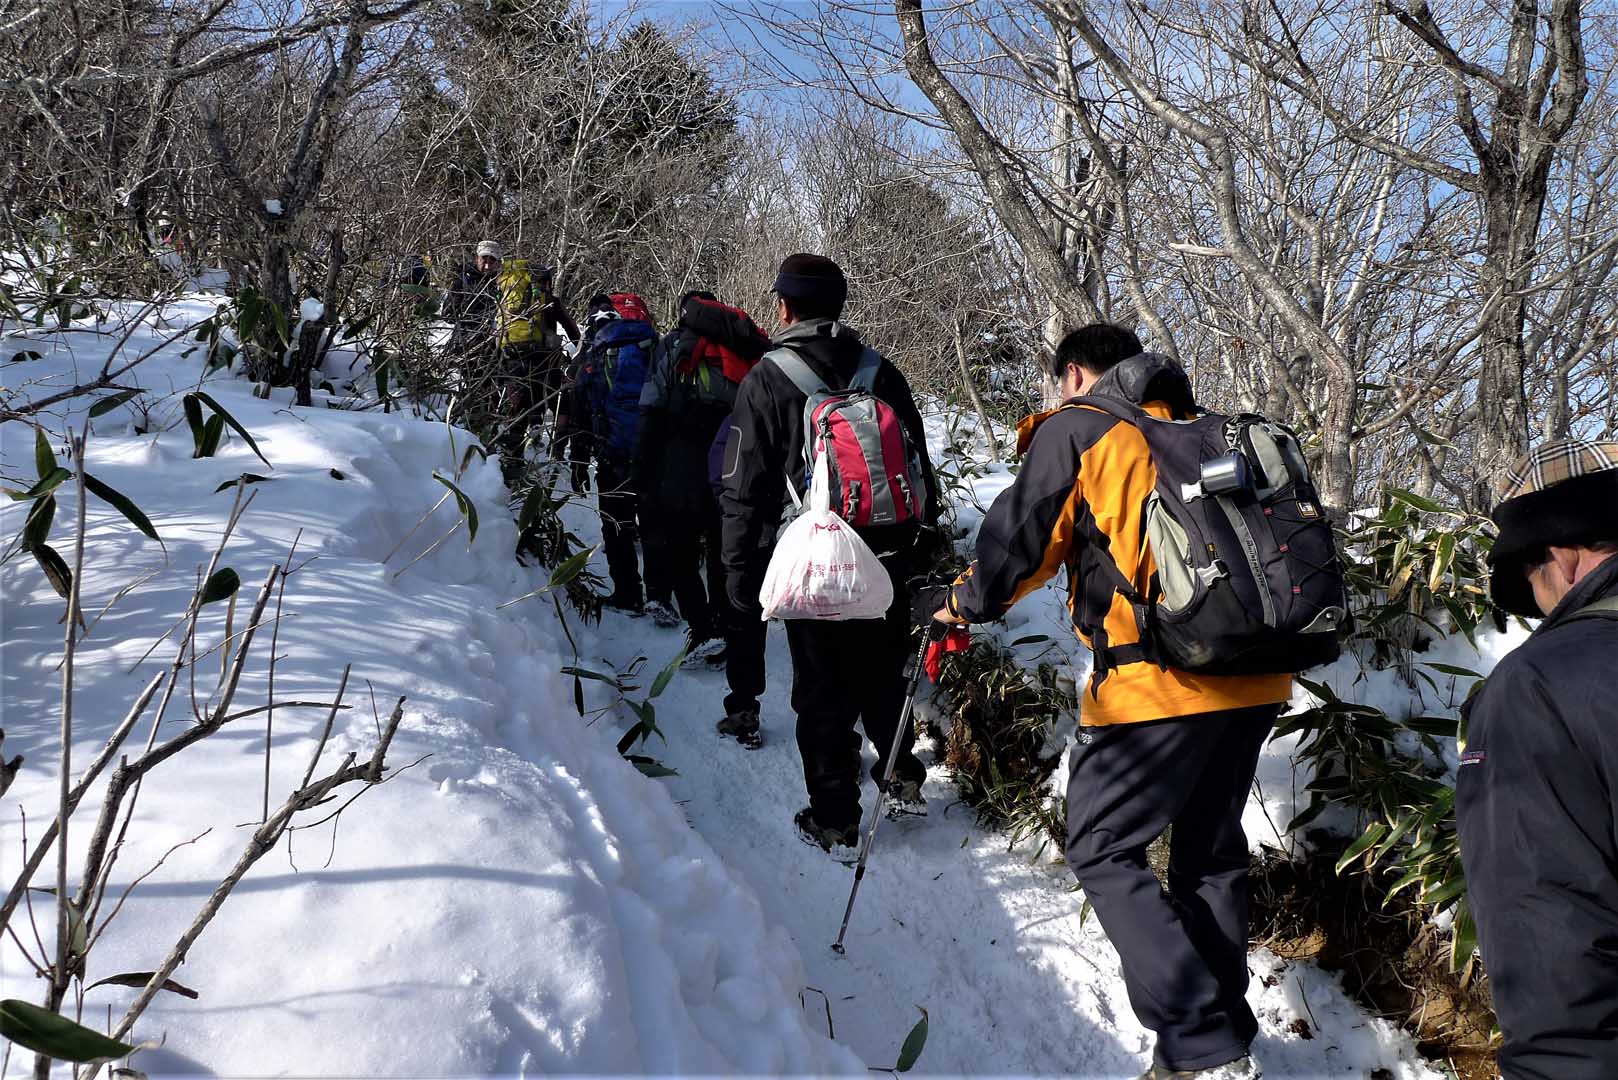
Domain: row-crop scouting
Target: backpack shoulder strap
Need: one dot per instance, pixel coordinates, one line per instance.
(865, 374)
(1116, 407)
(794, 367)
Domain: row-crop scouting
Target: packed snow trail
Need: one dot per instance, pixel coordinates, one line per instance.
(987, 940)
(521, 902)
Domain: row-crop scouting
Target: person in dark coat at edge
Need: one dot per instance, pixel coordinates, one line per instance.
(842, 672)
(1157, 747)
(688, 396)
(1536, 794)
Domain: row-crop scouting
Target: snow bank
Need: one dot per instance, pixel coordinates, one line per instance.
(519, 901)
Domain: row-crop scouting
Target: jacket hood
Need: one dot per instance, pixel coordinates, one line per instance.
(829, 330)
(1148, 377)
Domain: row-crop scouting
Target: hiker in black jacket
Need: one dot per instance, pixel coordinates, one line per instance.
(841, 671)
(687, 398)
(1536, 797)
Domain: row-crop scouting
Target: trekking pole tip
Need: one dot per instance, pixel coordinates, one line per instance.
(837, 947)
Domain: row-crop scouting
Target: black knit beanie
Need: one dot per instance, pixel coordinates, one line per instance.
(815, 282)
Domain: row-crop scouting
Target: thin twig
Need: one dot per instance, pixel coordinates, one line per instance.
(256, 709)
(119, 906)
(32, 863)
(127, 774)
(275, 638)
(422, 521)
(39, 970)
(119, 595)
(453, 529)
(224, 657)
(326, 731)
(237, 509)
(64, 806)
(226, 643)
(394, 775)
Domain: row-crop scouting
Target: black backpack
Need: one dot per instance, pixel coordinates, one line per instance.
(1248, 579)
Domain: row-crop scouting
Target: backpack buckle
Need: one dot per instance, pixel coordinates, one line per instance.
(1212, 573)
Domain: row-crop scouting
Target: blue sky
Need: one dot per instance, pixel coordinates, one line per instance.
(726, 32)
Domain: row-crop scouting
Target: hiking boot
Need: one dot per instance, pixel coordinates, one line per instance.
(905, 799)
(709, 652)
(841, 844)
(627, 603)
(1243, 1068)
(663, 615)
(742, 726)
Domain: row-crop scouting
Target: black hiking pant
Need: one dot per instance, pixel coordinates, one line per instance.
(843, 672)
(518, 406)
(618, 505)
(745, 637)
(1184, 952)
(682, 564)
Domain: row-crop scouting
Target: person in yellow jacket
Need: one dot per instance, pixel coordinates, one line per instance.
(1157, 747)
(507, 312)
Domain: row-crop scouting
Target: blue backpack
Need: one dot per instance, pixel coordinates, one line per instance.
(611, 378)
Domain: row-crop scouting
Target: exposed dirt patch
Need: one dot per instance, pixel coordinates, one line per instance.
(1392, 962)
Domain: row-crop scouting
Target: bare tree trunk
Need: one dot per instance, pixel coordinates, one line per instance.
(985, 425)
(1074, 306)
(317, 335)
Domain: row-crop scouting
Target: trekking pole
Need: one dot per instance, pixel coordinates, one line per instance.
(917, 664)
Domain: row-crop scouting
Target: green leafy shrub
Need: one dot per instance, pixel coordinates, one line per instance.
(625, 683)
(1412, 564)
(999, 748)
(1416, 571)
(1369, 763)
(542, 534)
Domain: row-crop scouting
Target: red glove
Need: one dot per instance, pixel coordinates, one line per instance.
(958, 639)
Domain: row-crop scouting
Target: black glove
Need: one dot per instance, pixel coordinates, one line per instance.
(926, 602)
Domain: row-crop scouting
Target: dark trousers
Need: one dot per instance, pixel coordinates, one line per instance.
(618, 505)
(682, 564)
(843, 672)
(745, 637)
(1184, 953)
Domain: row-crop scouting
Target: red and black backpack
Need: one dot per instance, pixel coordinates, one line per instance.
(876, 474)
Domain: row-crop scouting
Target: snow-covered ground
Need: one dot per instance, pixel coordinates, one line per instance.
(521, 901)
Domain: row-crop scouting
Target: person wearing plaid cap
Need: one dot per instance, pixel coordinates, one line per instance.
(1536, 795)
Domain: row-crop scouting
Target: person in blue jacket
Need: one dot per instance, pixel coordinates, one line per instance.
(612, 372)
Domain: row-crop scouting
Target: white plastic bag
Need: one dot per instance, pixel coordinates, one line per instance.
(821, 569)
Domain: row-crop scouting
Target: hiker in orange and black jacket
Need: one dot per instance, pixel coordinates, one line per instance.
(1157, 747)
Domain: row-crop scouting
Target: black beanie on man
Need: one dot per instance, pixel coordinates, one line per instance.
(814, 280)
(1563, 493)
